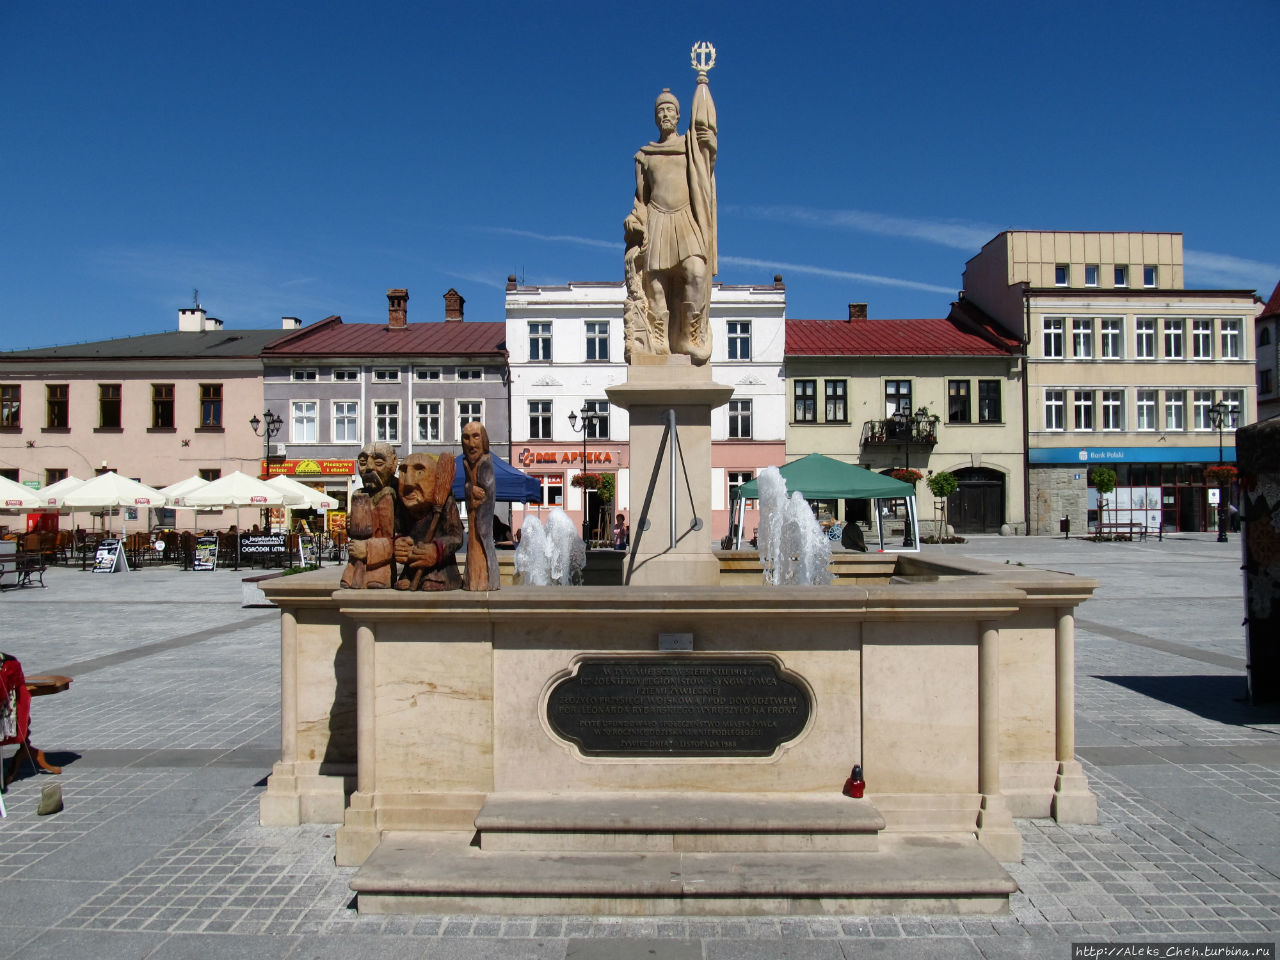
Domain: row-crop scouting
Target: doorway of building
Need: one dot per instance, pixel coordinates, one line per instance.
(977, 506)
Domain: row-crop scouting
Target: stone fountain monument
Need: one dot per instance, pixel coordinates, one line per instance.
(678, 745)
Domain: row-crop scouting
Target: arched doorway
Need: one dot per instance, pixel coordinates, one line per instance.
(977, 506)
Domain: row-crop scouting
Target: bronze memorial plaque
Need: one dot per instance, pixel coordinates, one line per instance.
(677, 707)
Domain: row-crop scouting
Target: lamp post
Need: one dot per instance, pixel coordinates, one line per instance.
(1221, 415)
(589, 420)
(267, 430)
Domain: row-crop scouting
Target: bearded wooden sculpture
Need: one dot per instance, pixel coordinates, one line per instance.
(371, 526)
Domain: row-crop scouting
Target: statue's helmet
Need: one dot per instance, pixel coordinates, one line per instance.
(666, 96)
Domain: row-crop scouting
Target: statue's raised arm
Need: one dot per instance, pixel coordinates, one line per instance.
(671, 231)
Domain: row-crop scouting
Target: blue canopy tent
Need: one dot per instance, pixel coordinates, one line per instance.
(512, 485)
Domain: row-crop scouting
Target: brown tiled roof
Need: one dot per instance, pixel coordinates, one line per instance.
(1273, 305)
(934, 337)
(333, 338)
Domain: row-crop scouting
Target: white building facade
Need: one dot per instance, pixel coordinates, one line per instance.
(565, 346)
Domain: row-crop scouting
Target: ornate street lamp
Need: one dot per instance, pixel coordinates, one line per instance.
(589, 421)
(266, 430)
(1222, 415)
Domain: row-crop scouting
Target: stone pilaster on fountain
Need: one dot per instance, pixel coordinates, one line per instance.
(656, 385)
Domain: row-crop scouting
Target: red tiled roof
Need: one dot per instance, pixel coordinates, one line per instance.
(334, 338)
(1273, 305)
(941, 337)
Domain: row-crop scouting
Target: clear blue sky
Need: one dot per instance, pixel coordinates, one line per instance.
(299, 159)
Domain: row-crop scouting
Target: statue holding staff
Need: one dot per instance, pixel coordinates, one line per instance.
(670, 234)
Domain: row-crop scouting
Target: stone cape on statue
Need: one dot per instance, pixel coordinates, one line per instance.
(671, 234)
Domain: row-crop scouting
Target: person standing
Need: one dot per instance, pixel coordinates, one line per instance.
(621, 533)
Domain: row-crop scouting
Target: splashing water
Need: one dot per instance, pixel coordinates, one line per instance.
(793, 547)
(553, 554)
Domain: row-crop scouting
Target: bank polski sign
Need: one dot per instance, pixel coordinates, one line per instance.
(1159, 454)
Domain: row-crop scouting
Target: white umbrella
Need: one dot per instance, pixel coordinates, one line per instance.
(15, 498)
(109, 491)
(52, 496)
(312, 499)
(178, 492)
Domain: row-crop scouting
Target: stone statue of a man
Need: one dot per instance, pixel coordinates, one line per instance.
(671, 234)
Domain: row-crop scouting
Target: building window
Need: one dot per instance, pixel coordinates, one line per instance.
(739, 339)
(1234, 400)
(346, 421)
(1145, 338)
(429, 421)
(1173, 330)
(553, 490)
(1083, 407)
(1146, 409)
(1175, 412)
(539, 342)
(304, 375)
(1201, 401)
(386, 375)
(740, 420)
(56, 403)
(600, 429)
(304, 415)
(737, 479)
(897, 397)
(1090, 274)
(210, 404)
(539, 419)
(346, 374)
(598, 340)
(1202, 339)
(1230, 339)
(1264, 381)
(837, 408)
(958, 401)
(806, 403)
(210, 473)
(109, 406)
(1060, 275)
(470, 373)
(11, 405)
(1055, 404)
(1111, 337)
(386, 421)
(53, 475)
(1053, 327)
(1150, 275)
(1112, 409)
(428, 374)
(989, 401)
(1264, 337)
(1082, 338)
(162, 406)
(1121, 275)
(469, 410)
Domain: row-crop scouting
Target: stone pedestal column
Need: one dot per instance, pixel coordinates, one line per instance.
(996, 831)
(655, 386)
(1072, 800)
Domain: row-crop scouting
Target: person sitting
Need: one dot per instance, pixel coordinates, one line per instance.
(851, 537)
(502, 535)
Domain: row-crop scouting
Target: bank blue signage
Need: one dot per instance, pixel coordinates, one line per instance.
(1159, 454)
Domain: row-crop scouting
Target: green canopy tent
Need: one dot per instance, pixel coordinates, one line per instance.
(822, 478)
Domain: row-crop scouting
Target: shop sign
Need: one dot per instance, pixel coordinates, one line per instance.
(529, 458)
(309, 468)
(1160, 454)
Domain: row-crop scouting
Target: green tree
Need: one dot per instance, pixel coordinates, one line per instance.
(1104, 481)
(942, 485)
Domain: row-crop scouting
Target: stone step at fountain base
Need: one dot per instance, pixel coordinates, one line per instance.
(672, 855)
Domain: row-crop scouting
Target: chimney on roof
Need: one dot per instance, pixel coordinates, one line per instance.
(397, 309)
(857, 311)
(777, 282)
(290, 323)
(511, 281)
(453, 306)
(191, 319)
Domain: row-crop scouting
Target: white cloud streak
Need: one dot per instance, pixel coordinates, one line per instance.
(955, 234)
(838, 274)
(1231, 272)
(554, 237)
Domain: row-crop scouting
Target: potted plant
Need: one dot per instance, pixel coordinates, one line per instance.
(942, 485)
(586, 481)
(906, 475)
